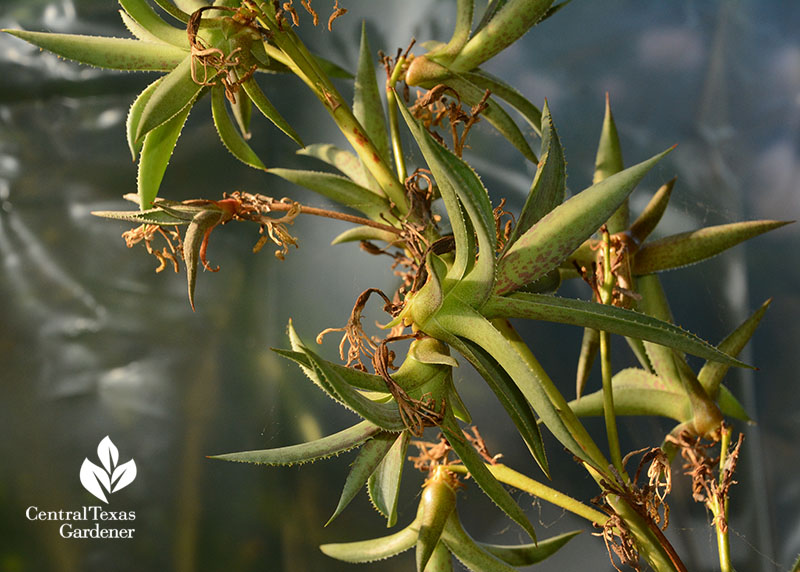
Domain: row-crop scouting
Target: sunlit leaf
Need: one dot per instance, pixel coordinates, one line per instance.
(146, 17)
(155, 153)
(345, 161)
(306, 452)
(602, 317)
(690, 247)
(374, 549)
(369, 457)
(468, 552)
(549, 185)
(228, 134)
(269, 111)
(553, 238)
(527, 554)
(384, 483)
(111, 53)
(173, 93)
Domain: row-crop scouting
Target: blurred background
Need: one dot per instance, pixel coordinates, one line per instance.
(94, 343)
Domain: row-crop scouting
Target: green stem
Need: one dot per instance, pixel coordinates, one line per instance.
(509, 476)
(394, 123)
(719, 507)
(606, 295)
(304, 65)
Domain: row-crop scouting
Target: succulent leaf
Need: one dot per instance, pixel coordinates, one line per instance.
(325, 447)
(374, 549)
(553, 238)
(141, 12)
(346, 162)
(690, 247)
(269, 111)
(437, 504)
(110, 53)
(369, 457)
(173, 93)
(467, 551)
(550, 183)
(609, 162)
(383, 485)
(602, 317)
(507, 93)
(228, 134)
(367, 106)
(155, 153)
(510, 397)
(527, 554)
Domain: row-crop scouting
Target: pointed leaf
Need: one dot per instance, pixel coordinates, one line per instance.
(482, 476)
(228, 134)
(691, 247)
(345, 161)
(527, 554)
(511, 398)
(173, 93)
(354, 377)
(711, 374)
(551, 240)
(369, 457)
(646, 222)
(590, 345)
(360, 233)
(306, 452)
(386, 415)
(637, 392)
(148, 19)
(602, 317)
(110, 53)
(193, 244)
(457, 320)
(731, 406)
(269, 111)
(150, 216)
(550, 183)
(135, 115)
(609, 162)
(173, 10)
(156, 151)
(654, 303)
(242, 113)
(367, 106)
(384, 483)
(374, 549)
(307, 366)
(468, 552)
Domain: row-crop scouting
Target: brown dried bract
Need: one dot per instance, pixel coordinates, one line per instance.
(433, 108)
(337, 12)
(213, 61)
(147, 232)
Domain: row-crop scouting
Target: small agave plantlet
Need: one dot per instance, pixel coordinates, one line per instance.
(458, 288)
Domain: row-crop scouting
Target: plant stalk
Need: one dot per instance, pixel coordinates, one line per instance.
(509, 476)
(394, 122)
(606, 294)
(719, 507)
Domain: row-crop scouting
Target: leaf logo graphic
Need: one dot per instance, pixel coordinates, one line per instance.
(109, 478)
